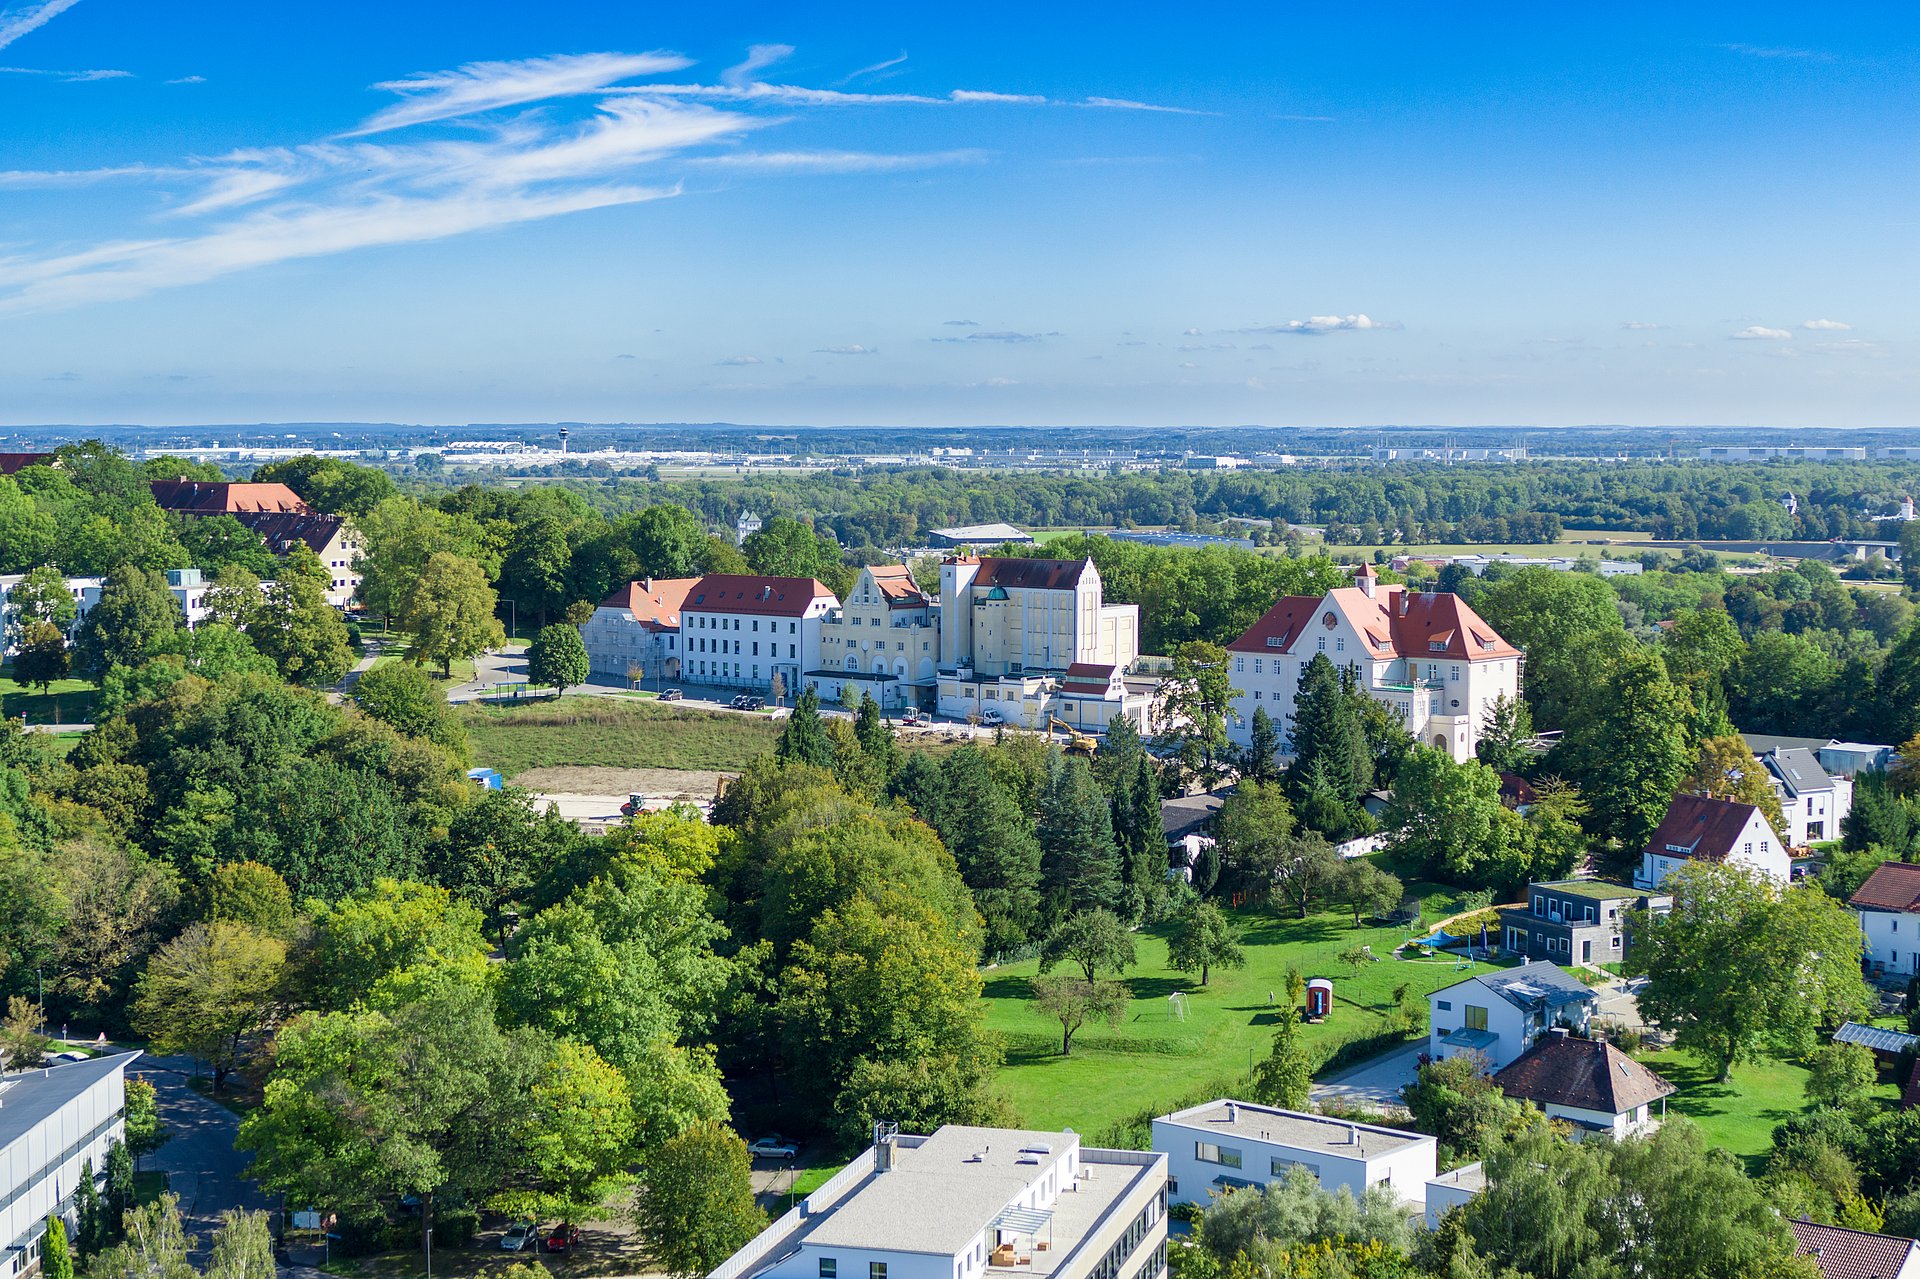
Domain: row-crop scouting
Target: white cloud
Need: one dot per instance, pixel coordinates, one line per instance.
(1640, 325)
(1761, 333)
(739, 359)
(837, 161)
(1778, 51)
(1827, 326)
(1006, 336)
(1324, 324)
(487, 86)
(68, 77)
(876, 68)
(1128, 104)
(962, 324)
(846, 350)
(189, 79)
(1190, 333)
(27, 18)
(759, 58)
(988, 95)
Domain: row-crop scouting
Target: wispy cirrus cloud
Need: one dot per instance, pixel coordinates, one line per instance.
(189, 79)
(738, 360)
(68, 77)
(1128, 104)
(855, 349)
(874, 69)
(758, 59)
(1774, 51)
(838, 161)
(488, 86)
(25, 19)
(1639, 326)
(1006, 336)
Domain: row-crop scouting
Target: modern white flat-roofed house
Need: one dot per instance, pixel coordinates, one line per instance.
(966, 1203)
(1427, 657)
(741, 630)
(1453, 1189)
(1701, 828)
(1499, 1015)
(884, 640)
(1588, 1083)
(1889, 907)
(638, 626)
(51, 1122)
(1235, 1145)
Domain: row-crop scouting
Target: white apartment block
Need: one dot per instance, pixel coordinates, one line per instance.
(743, 631)
(969, 1203)
(1812, 801)
(188, 587)
(884, 640)
(1427, 656)
(53, 1121)
(637, 628)
(1235, 1145)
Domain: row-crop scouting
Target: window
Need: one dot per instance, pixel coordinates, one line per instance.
(1476, 1017)
(1239, 664)
(1747, 848)
(829, 1268)
(1256, 667)
(1340, 645)
(1615, 942)
(1539, 905)
(1209, 1153)
(1323, 643)
(1445, 1005)
(1256, 694)
(1277, 1167)
(876, 1270)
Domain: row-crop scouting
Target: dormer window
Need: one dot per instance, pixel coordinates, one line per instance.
(1436, 646)
(1276, 641)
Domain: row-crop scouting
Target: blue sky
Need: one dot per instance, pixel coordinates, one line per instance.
(895, 214)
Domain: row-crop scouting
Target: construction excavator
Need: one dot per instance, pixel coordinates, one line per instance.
(1077, 743)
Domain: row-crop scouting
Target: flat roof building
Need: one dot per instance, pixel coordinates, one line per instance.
(1235, 1145)
(972, 1203)
(53, 1121)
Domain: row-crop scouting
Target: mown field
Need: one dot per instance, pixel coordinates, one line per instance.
(66, 701)
(1154, 1057)
(602, 732)
(1739, 1115)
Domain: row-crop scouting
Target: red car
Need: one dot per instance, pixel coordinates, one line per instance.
(563, 1238)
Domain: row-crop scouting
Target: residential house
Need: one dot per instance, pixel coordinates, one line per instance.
(1701, 828)
(1840, 759)
(334, 541)
(52, 1122)
(1228, 1145)
(1012, 629)
(1500, 1015)
(1574, 921)
(224, 497)
(738, 630)
(1856, 1254)
(884, 639)
(1812, 802)
(638, 628)
(967, 1203)
(1454, 1189)
(1888, 903)
(1588, 1083)
(1426, 656)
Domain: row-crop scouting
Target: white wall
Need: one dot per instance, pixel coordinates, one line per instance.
(46, 1161)
(1453, 1190)
(1893, 939)
(1191, 1178)
(1503, 1019)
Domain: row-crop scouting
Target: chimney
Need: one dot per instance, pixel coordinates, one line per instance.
(1404, 594)
(1233, 1112)
(1353, 1135)
(1558, 1032)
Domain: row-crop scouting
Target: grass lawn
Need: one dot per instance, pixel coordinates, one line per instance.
(148, 1185)
(604, 732)
(1153, 1058)
(67, 701)
(1739, 1115)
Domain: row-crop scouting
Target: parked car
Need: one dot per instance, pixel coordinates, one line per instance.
(756, 703)
(773, 1146)
(563, 1237)
(519, 1235)
(992, 718)
(671, 695)
(739, 701)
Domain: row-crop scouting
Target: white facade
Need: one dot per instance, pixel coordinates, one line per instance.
(188, 588)
(1427, 657)
(741, 631)
(1497, 1016)
(1225, 1145)
(1892, 940)
(1454, 1189)
(883, 639)
(1812, 802)
(638, 626)
(1015, 616)
(51, 1122)
(967, 1203)
(1753, 844)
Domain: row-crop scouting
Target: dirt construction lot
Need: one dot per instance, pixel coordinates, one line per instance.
(592, 796)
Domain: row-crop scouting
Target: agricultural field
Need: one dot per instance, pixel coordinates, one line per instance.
(605, 732)
(1156, 1056)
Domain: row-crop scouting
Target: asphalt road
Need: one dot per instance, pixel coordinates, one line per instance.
(203, 1168)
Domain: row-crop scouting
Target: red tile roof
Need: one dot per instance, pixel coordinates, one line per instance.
(1851, 1254)
(1892, 886)
(14, 462)
(1032, 575)
(895, 582)
(1392, 622)
(746, 593)
(202, 497)
(1587, 1074)
(1088, 678)
(654, 602)
(281, 529)
(1700, 827)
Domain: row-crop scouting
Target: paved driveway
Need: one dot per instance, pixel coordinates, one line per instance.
(1376, 1081)
(203, 1168)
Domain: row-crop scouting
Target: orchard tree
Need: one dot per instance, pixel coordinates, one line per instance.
(1203, 939)
(1366, 889)
(1075, 1001)
(1738, 968)
(449, 613)
(1093, 940)
(558, 657)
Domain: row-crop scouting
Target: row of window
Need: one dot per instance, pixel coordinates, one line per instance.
(1109, 1265)
(703, 623)
(898, 646)
(1340, 646)
(734, 647)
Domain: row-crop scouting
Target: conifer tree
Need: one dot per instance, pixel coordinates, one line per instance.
(804, 739)
(1261, 763)
(1078, 856)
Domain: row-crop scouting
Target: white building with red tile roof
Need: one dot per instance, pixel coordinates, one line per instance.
(1888, 903)
(637, 628)
(1426, 656)
(743, 630)
(1856, 1254)
(884, 639)
(1700, 828)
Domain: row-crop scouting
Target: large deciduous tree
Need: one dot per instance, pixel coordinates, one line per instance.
(1628, 744)
(557, 657)
(1202, 940)
(1093, 940)
(135, 609)
(695, 1207)
(208, 990)
(449, 612)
